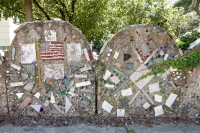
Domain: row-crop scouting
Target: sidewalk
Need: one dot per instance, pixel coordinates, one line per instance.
(83, 128)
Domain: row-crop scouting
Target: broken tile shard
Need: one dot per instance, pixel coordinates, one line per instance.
(107, 74)
(170, 100)
(68, 83)
(37, 95)
(68, 105)
(24, 103)
(36, 107)
(19, 95)
(85, 68)
(24, 76)
(146, 105)
(107, 106)
(16, 84)
(57, 108)
(154, 88)
(116, 55)
(120, 112)
(86, 54)
(83, 84)
(158, 110)
(127, 92)
(33, 34)
(71, 69)
(15, 66)
(29, 86)
(80, 76)
(126, 57)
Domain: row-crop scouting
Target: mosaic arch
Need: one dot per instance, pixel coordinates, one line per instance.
(49, 71)
(127, 56)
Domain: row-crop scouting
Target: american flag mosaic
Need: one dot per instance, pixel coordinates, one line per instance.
(52, 51)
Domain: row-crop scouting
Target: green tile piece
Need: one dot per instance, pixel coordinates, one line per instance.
(24, 75)
(63, 93)
(72, 89)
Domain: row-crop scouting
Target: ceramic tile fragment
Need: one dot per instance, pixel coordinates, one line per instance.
(13, 53)
(120, 112)
(55, 71)
(146, 105)
(138, 56)
(107, 74)
(80, 76)
(72, 94)
(86, 68)
(141, 70)
(56, 106)
(109, 86)
(19, 95)
(158, 110)
(147, 96)
(15, 66)
(166, 56)
(29, 86)
(140, 101)
(36, 107)
(86, 54)
(158, 98)
(73, 52)
(50, 35)
(162, 53)
(115, 79)
(154, 88)
(12, 75)
(116, 55)
(152, 54)
(129, 66)
(106, 106)
(86, 90)
(52, 98)
(118, 64)
(24, 75)
(46, 103)
(24, 103)
(83, 84)
(170, 100)
(68, 105)
(33, 34)
(68, 83)
(127, 92)
(16, 84)
(28, 53)
(126, 56)
(138, 92)
(37, 95)
(71, 70)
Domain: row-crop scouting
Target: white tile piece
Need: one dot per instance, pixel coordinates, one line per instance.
(36, 107)
(83, 84)
(146, 105)
(28, 53)
(158, 98)
(107, 74)
(68, 105)
(152, 54)
(86, 68)
(106, 106)
(158, 110)
(141, 70)
(74, 52)
(166, 56)
(52, 98)
(37, 95)
(109, 86)
(46, 103)
(80, 76)
(55, 71)
(16, 84)
(138, 56)
(86, 54)
(120, 112)
(116, 55)
(115, 79)
(162, 53)
(19, 95)
(15, 66)
(50, 35)
(154, 88)
(170, 100)
(71, 93)
(127, 92)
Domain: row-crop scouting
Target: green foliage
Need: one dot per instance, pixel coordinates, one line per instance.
(182, 63)
(132, 131)
(187, 4)
(185, 40)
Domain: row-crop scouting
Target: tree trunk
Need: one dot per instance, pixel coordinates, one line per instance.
(28, 10)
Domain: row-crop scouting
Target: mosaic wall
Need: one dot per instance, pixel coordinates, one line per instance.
(127, 56)
(49, 71)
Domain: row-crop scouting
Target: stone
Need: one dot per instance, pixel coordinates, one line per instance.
(29, 86)
(126, 56)
(129, 66)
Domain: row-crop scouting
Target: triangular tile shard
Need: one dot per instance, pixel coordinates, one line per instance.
(127, 56)
(68, 105)
(36, 107)
(29, 86)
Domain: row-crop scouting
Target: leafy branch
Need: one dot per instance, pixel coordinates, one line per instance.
(182, 63)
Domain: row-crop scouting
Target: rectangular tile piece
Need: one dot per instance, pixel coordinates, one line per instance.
(80, 76)
(158, 110)
(138, 92)
(116, 55)
(120, 112)
(154, 88)
(86, 54)
(107, 106)
(83, 83)
(24, 103)
(15, 66)
(170, 100)
(16, 84)
(107, 74)
(86, 68)
(127, 92)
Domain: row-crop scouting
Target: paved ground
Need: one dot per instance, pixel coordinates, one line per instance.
(82, 128)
